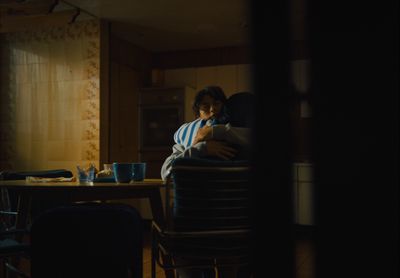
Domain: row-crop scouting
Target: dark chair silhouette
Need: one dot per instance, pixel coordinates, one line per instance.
(11, 248)
(8, 202)
(208, 216)
(87, 240)
(13, 244)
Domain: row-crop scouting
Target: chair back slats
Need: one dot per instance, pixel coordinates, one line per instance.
(209, 195)
(208, 208)
(223, 212)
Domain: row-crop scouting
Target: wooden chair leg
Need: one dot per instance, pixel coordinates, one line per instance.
(153, 256)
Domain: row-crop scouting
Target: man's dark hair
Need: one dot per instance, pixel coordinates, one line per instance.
(213, 91)
(240, 109)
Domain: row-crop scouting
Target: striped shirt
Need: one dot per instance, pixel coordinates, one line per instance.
(187, 132)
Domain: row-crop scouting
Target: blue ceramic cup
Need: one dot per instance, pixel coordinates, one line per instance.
(122, 172)
(139, 171)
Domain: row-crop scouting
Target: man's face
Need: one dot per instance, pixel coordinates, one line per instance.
(209, 107)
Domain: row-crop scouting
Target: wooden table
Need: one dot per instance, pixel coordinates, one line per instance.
(75, 191)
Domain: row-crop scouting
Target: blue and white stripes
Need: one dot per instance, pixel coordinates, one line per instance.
(187, 132)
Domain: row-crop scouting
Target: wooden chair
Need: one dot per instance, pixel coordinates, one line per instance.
(12, 243)
(8, 200)
(12, 248)
(208, 216)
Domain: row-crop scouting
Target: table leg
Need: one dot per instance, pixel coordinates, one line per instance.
(23, 209)
(21, 222)
(157, 207)
(159, 217)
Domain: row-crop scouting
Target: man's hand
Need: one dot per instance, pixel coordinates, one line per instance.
(203, 134)
(220, 149)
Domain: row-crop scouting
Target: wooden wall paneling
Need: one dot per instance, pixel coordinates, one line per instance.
(128, 120)
(113, 115)
(180, 77)
(244, 78)
(202, 57)
(227, 78)
(206, 76)
(190, 93)
(232, 78)
(187, 58)
(130, 69)
(235, 55)
(123, 52)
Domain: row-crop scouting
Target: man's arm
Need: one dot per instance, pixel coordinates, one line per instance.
(240, 136)
(179, 150)
(210, 148)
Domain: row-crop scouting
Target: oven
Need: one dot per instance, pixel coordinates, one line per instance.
(161, 112)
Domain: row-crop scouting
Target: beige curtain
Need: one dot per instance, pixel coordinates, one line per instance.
(49, 98)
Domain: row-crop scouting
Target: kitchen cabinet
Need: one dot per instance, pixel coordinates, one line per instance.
(161, 112)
